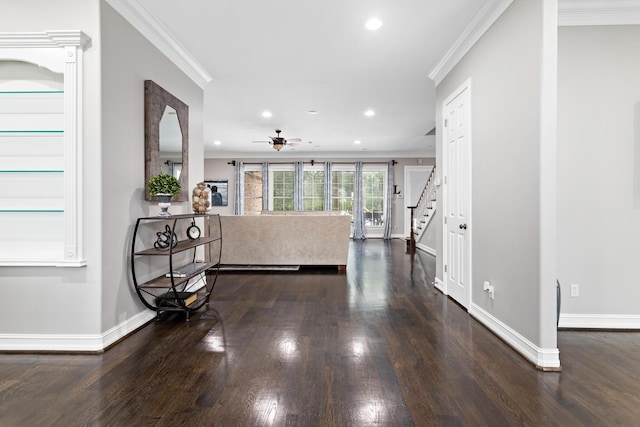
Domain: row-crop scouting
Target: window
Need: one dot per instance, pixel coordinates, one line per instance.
(313, 189)
(342, 191)
(373, 197)
(252, 190)
(281, 188)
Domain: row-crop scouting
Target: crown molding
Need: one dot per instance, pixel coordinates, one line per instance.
(161, 38)
(483, 20)
(598, 12)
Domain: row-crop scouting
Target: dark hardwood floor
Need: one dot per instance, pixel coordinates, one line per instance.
(375, 346)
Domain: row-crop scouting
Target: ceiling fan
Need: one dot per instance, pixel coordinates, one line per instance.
(278, 142)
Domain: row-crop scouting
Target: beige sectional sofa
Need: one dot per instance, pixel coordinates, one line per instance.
(292, 238)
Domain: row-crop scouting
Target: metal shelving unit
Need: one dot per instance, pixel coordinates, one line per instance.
(185, 282)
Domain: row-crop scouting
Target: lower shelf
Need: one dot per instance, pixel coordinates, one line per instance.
(176, 299)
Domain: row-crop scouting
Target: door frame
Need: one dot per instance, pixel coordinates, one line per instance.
(446, 189)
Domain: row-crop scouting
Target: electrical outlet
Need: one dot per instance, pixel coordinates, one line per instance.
(488, 288)
(575, 290)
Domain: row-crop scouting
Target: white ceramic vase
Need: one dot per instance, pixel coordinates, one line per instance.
(164, 201)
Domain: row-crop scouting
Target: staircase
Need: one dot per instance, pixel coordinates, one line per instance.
(423, 211)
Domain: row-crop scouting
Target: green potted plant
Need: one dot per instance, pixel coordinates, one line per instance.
(164, 186)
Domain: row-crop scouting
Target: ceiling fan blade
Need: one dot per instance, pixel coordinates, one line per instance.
(294, 140)
(261, 142)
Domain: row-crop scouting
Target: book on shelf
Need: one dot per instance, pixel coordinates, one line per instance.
(186, 270)
(176, 298)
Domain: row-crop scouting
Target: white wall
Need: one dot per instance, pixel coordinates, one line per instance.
(505, 68)
(219, 169)
(128, 59)
(82, 308)
(56, 305)
(598, 164)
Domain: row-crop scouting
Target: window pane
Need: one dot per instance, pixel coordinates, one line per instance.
(313, 190)
(342, 191)
(252, 192)
(282, 190)
(373, 201)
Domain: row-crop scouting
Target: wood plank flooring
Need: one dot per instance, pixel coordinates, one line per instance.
(375, 346)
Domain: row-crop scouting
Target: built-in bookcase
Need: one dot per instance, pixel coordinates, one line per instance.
(32, 174)
(41, 148)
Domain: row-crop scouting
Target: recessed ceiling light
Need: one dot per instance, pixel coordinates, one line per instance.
(217, 142)
(266, 114)
(357, 141)
(369, 113)
(312, 112)
(373, 24)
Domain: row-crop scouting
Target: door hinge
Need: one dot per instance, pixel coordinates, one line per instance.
(445, 268)
(445, 219)
(446, 122)
(445, 179)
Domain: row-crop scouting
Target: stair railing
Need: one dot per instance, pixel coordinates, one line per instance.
(423, 208)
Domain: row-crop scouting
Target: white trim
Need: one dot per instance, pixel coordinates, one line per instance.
(426, 249)
(61, 47)
(481, 22)
(440, 285)
(602, 12)
(544, 358)
(547, 219)
(599, 321)
(74, 343)
(154, 31)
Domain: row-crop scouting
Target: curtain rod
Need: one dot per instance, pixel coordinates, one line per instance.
(233, 163)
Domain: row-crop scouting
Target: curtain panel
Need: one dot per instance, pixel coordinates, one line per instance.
(298, 204)
(238, 196)
(358, 211)
(265, 186)
(328, 180)
(389, 201)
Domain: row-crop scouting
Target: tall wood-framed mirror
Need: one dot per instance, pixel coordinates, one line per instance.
(166, 138)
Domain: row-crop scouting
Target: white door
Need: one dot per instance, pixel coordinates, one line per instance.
(457, 193)
(415, 178)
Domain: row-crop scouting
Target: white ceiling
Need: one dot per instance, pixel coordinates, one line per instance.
(292, 56)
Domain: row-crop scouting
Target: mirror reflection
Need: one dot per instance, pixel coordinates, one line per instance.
(170, 143)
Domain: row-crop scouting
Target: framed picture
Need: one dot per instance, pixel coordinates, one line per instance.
(219, 191)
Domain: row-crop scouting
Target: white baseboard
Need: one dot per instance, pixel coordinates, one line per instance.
(439, 285)
(599, 321)
(543, 358)
(74, 343)
(426, 249)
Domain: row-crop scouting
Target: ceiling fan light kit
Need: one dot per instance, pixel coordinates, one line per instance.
(277, 142)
